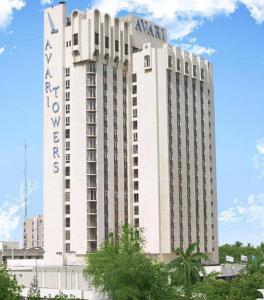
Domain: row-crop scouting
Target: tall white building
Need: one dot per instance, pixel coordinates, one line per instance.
(128, 136)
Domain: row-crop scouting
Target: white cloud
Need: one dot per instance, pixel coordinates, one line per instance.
(260, 146)
(251, 212)
(181, 17)
(191, 46)
(7, 8)
(229, 215)
(258, 158)
(2, 50)
(44, 2)
(256, 8)
(11, 211)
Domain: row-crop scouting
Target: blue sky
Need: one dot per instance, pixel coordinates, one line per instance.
(230, 34)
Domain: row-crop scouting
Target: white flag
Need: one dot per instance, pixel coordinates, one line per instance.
(244, 258)
(230, 258)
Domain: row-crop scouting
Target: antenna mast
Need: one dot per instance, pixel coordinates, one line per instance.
(25, 183)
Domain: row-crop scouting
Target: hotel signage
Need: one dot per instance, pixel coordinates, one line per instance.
(52, 102)
(150, 29)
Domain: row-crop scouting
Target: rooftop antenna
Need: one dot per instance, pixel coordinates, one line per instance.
(25, 183)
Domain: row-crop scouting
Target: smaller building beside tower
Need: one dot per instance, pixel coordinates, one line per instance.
(33, 232)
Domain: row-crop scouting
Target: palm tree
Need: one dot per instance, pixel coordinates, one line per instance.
(186, 269)
(238, 244)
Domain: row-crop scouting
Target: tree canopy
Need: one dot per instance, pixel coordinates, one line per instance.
(9, 288)
(122, 270)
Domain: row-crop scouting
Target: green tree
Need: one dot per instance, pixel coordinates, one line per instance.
(245, 287)
(186, 269)
(239, 249)
(122, 270)
(9, 288)
(211, 288)
(254, 266)
(34, 291)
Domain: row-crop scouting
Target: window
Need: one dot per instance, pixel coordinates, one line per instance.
(68, 247)
(67, 158)
(67, 235)
(96, 38)
(134, 125)
(91, 67)
(67, 183)
(136, 185)
(67, 209)
(202, 74)
(67, 171)
(91, 79)
(67, 196)
(91, 92)
(135, 136)
(134, 112)
(67, 84)
(91, 155)
(90, 104)
(147, 61)
(136, 222)
(136, 210)
(134, 101)
(178, 64)
(67, 72)
(75, 39)
(126, 49)
(116, 46)
(169, 61)
(135, 173)
(136, 198)
(135, 161)
(91, 130)
(67, 133)
(68, 222)
(134, 77)
(106, 42)
(67, 121)
(67, 96)
(67, 108)
(91, 142)
(67, 146)
(91, 117)
(186, 68)
(92, 195)
(194, 71)
(135, 149)
(134, 89)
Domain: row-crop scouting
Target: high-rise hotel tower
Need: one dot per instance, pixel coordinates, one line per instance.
(128, 136)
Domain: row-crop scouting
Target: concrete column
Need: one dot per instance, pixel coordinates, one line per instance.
(59, 279)
(77, 280)
(43, 278)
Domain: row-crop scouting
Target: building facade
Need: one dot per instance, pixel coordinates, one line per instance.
(34, 232)
(128, 136)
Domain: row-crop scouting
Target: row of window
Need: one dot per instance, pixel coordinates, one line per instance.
(186, 68)
(67, 158)
(75, 38)
(135, 151)
(91, 165)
